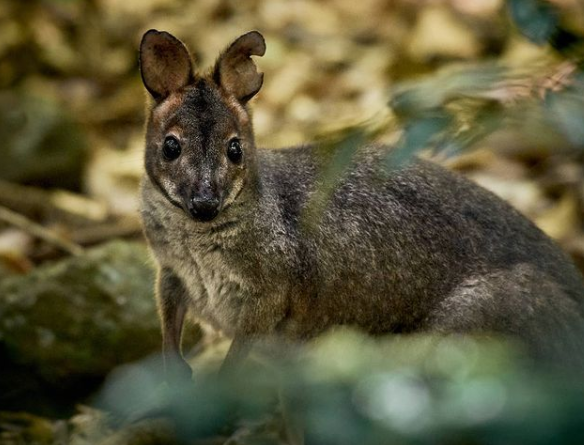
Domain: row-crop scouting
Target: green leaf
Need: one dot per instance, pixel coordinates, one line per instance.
(418, 135)
(412, 98)
(566, 110)
(336, 154)
(537, 20)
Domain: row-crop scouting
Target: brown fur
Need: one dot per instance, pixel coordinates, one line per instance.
(235, 72)
(166, 64)
(418, 249)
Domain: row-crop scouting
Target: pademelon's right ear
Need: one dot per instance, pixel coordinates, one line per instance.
(165, 64)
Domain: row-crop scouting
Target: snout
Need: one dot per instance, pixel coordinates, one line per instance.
(203, 207)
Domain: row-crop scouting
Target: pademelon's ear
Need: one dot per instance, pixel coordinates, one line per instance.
(165, 64)
(235, 72)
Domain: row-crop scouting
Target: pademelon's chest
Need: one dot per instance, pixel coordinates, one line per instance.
(217, 289)
(205, 263)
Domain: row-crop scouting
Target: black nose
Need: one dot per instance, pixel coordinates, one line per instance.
(204, 208)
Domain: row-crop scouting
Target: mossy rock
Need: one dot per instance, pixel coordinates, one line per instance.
(65, 325)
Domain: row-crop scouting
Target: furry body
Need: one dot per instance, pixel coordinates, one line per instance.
(421, 249)
(410, 250)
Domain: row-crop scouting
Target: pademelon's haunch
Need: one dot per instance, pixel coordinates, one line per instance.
(420, 249)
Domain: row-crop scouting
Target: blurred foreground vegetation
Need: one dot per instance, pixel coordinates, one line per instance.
(347, 389)
(492, 88)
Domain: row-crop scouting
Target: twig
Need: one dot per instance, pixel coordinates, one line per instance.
(124, 227)
(29, 226)
(34, 203)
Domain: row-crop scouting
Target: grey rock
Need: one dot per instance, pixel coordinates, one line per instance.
(67, 324)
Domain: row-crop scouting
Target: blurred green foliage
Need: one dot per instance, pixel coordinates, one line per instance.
(537, 20)
(457, 107)
(348, 388)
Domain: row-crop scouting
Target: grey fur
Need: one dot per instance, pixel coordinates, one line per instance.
(414, 250)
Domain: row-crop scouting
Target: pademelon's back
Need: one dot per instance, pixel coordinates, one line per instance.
(421, 248)
(420, 216)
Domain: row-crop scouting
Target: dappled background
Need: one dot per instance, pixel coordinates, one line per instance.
(492, 88)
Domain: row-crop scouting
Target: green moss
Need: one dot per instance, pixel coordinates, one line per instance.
(79, 317)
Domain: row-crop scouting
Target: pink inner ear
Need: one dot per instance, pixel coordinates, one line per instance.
(165, 64)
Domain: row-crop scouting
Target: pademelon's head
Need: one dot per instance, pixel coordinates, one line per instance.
(200, 149)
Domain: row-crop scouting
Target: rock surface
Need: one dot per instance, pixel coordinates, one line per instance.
(65, 325)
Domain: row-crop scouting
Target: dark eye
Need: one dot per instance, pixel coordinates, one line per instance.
(171, 148)
(234, 152)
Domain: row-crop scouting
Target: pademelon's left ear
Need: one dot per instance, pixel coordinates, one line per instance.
(236, 72)
(165, 64)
